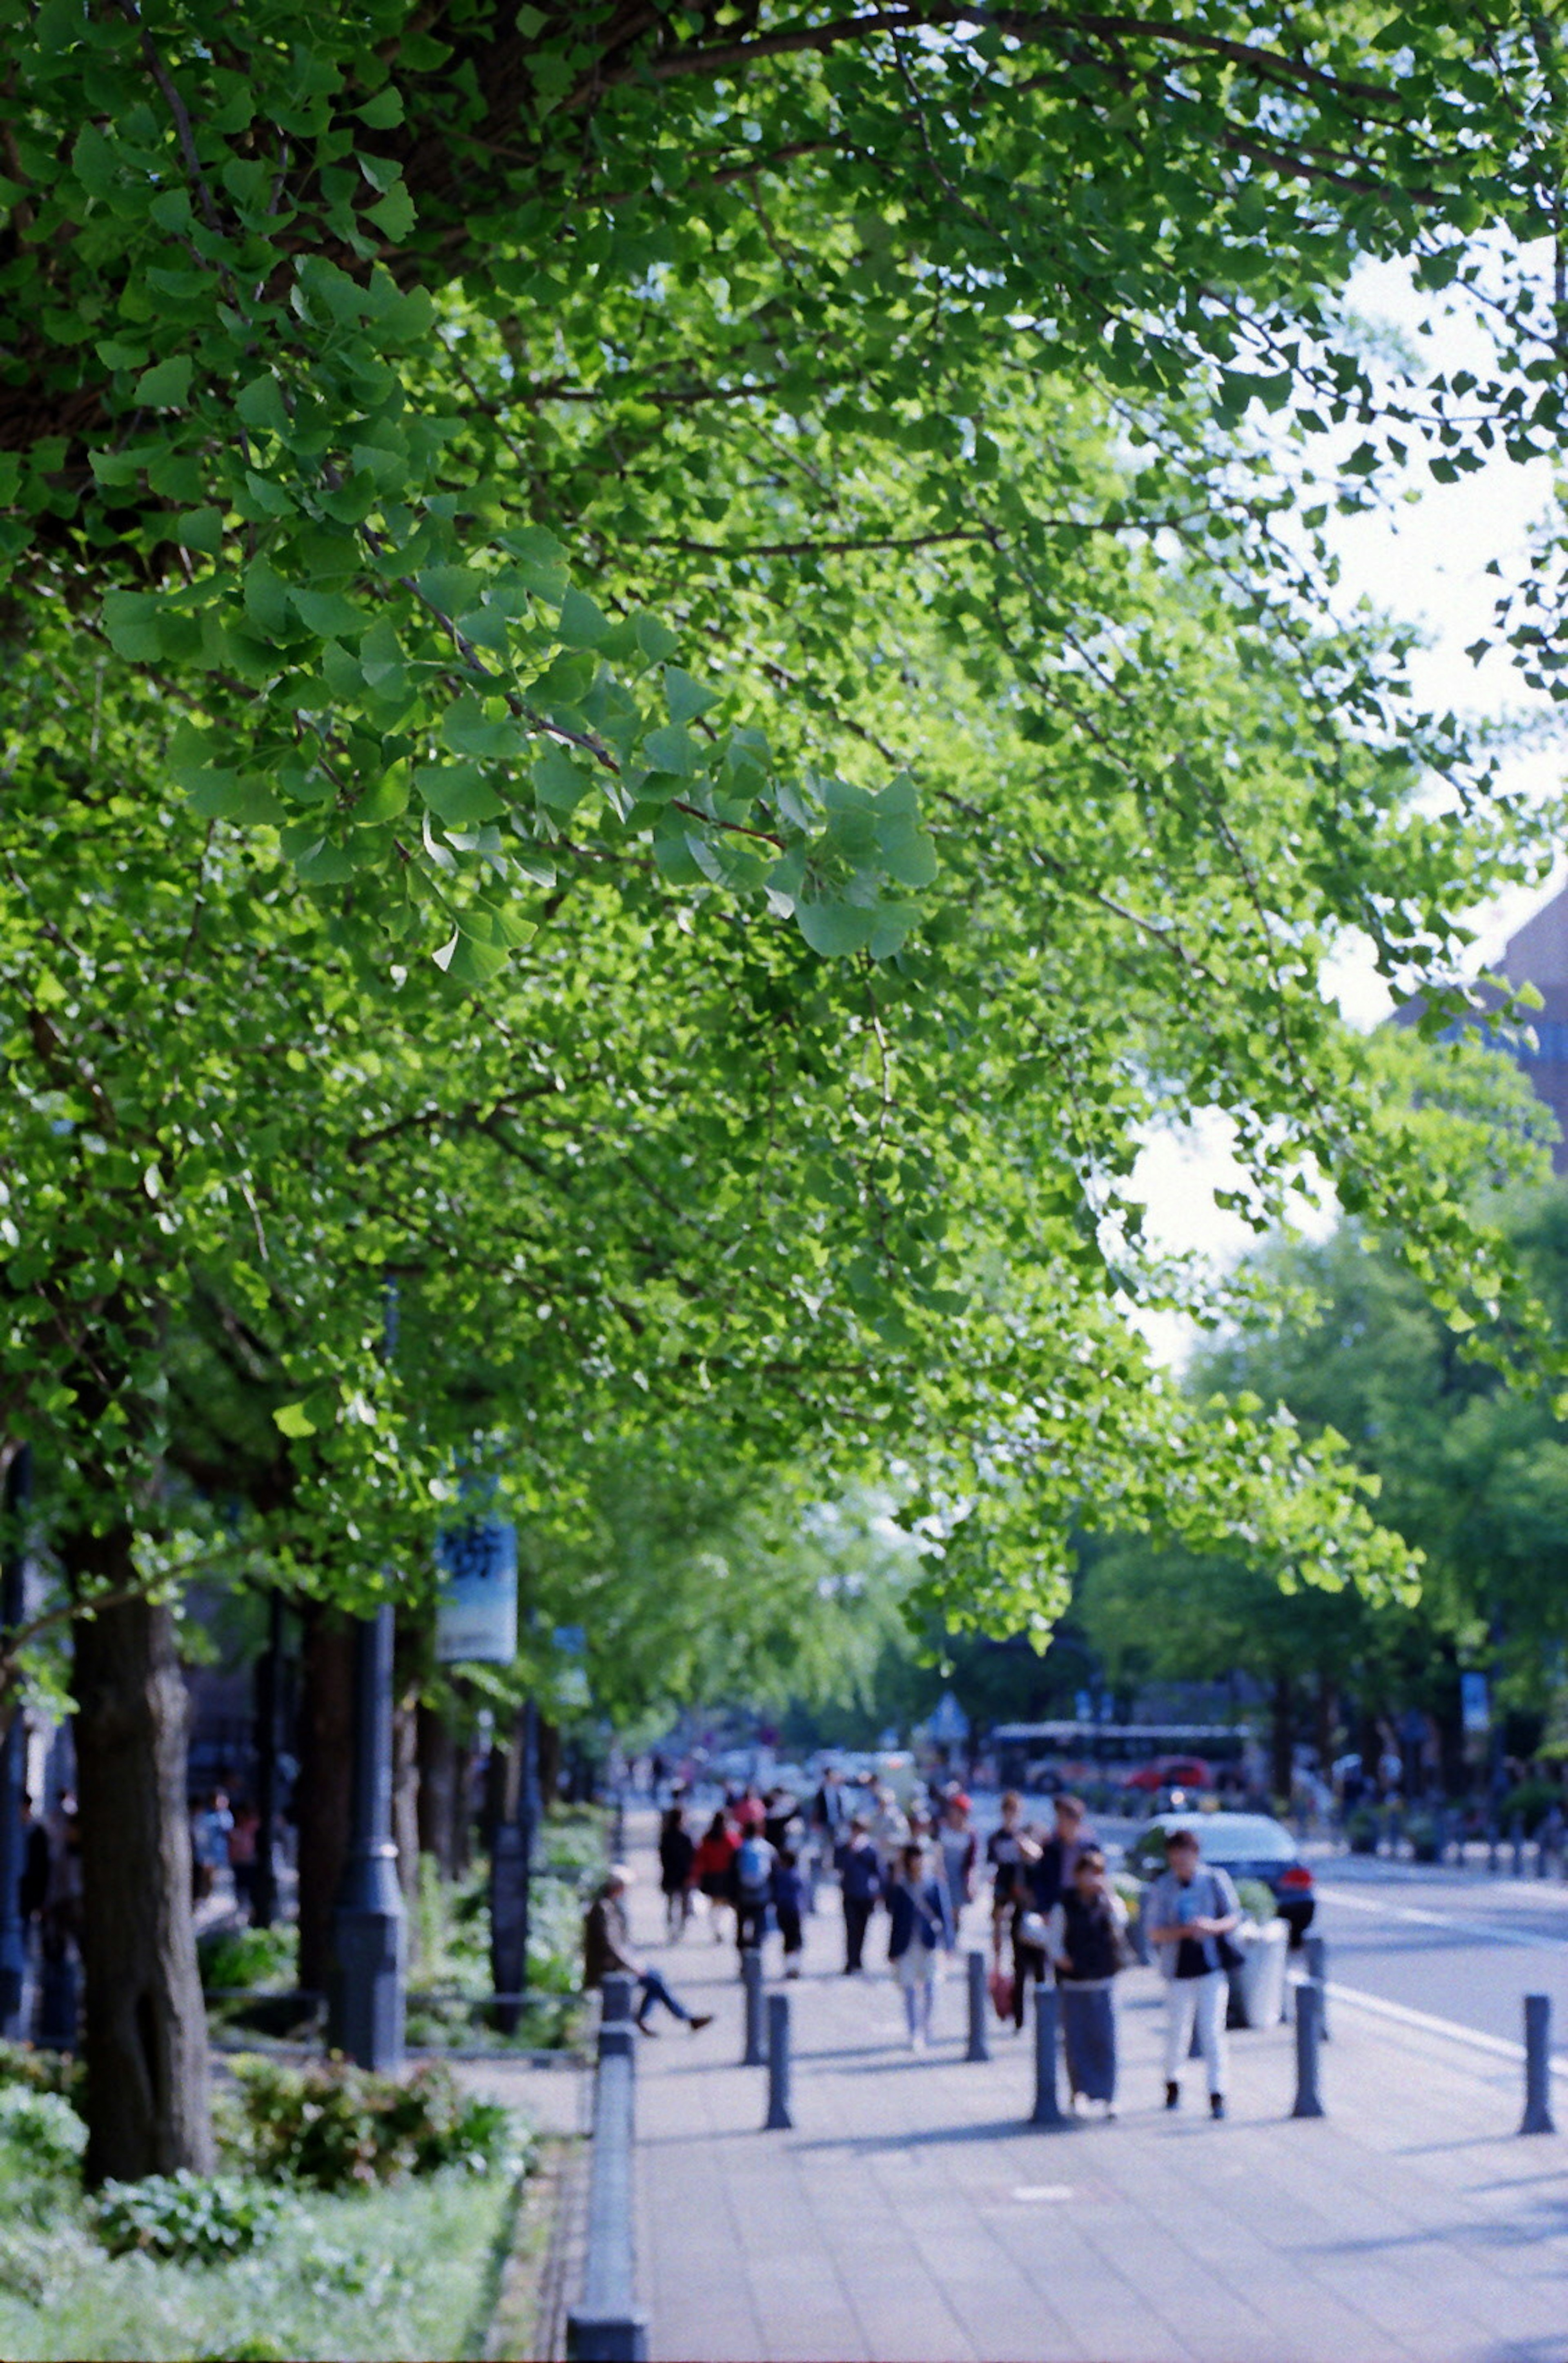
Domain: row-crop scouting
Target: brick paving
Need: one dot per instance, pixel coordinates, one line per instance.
(913, 2213)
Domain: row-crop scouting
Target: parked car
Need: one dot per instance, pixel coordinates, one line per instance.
(1173, 1772)
(1249, 1845)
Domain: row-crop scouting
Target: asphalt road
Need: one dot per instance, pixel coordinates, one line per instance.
(1455, 1946)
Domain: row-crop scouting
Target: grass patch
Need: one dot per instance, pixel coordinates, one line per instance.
(407, 2270)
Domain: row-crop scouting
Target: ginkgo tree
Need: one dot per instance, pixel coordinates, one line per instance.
(662, 683)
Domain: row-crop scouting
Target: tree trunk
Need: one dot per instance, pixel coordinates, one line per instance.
(462, 1816)
(549, 1763)
(146, 2027)
(323, 1791)
(437, 1783)
(405, 1813)
(1282, 1736)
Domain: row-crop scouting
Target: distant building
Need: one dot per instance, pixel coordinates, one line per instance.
(1538, 955)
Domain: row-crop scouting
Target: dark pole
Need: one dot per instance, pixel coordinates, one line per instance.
(264, 1889)
(511, 1867)
(13, 1936)
(365, 2020)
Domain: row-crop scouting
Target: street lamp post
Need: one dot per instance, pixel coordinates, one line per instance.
(365, 2014)
(511, 1870)
(13, 1934)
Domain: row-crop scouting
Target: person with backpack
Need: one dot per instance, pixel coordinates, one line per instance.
(860, 1883)
(1190, 1912)
(755, 1861)
(1085, 1935)
(921, 1930)
(789, 1906)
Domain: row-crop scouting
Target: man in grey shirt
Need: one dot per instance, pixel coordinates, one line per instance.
(1188, 1911)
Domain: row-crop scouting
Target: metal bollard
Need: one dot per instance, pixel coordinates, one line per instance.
(1517, 1839)
(1308, 2006)
(754, 2055)
(979, 2046)
(778, 2118)
(1317, 1951)
(615, 1998)
(1537, 2065)
(1047, 2019)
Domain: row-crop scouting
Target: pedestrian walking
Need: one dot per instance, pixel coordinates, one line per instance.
(754, 1863)
(1045, 1872)
(209, 1843)
(1191, 1910)
(960, 1851)
(677, 1852)
(830, 1812)
(1085, 1937)
(889, 1830)
(860, 1882)
(606, 1947)
(789, 1906)
(242, 1855)
(713, 1867)
(921, 1930)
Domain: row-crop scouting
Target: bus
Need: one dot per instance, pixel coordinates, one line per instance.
(1060, 1755)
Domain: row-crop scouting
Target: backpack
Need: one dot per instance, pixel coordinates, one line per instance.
(752, 1869)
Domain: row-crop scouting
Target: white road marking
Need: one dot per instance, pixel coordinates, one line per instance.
(1422, 2019)
(1044, 2190)
(1488, 1930)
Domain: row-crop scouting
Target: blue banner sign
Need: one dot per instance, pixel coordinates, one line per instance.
(476, 1607)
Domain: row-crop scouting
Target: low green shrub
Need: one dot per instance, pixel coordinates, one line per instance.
(187, 2218)
(246, 1958)
(42, 2123)
(1257, 1899)
(40, 2071)
(336, 2127)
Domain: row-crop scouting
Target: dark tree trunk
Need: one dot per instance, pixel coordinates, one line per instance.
(438, 1786)
(1282, 1736)
(1326, 1717)
(405, 1808)
(549, 1763)
(146, 2027)
(323, 1788)
(462, 1816)
(500, 1791)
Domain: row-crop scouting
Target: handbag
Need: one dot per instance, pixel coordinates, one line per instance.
(1032, 1930)
(1000, 1984)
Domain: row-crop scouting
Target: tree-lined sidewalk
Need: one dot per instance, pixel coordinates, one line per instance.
(912, 2212)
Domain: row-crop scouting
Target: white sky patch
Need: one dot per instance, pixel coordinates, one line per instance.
(1421, 560)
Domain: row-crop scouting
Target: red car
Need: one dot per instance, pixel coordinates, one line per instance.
(1173, 1772)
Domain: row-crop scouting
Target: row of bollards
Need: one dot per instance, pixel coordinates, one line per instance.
(767, 2042)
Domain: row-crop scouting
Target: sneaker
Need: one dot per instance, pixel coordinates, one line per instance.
(1173, 2096)
(699, 2020)
(643, 2028)
(1216, 2105)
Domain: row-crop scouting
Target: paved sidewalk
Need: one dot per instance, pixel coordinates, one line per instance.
(911, 2213)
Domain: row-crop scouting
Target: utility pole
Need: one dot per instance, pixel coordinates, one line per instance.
(13, 1934)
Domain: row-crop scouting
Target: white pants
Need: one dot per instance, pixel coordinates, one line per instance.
(1204, 1999)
